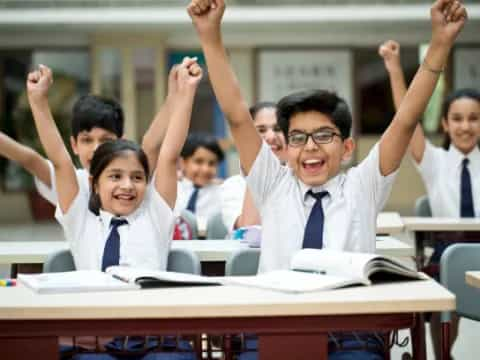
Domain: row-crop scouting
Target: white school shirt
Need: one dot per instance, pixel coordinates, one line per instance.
(50, 193)
(350, 210)
(441, 171)
(144, 241)
(232, 193)
(208, 200)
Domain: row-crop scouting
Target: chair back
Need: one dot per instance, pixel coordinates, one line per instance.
(216, 229)
(455, 261)
(422, 207)
(179, 260)
(243, 262)
(191, 220)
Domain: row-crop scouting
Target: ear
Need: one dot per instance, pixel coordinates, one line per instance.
(445, 125)
(348, 148)
(73, 144)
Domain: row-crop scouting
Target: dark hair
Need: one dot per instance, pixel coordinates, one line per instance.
(322, 101)
(104, 155)
(198, 140)
(449, 100)
(92, 111)
(256, 108)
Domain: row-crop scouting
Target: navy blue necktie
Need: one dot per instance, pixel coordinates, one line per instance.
(192, 202)
(313, 238)
(111, 253)
(466, 198)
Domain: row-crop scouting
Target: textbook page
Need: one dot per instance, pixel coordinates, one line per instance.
(292, 281)
(151, 278)
(73, 281)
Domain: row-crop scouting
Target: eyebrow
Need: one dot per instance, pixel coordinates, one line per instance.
(323, 128)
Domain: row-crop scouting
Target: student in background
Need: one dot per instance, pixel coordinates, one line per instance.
(95, 120)
(451, 174)
(238, 209)
(198, 191)
(311, 204)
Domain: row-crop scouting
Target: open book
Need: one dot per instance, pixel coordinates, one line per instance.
(114, 279)
(313, 270)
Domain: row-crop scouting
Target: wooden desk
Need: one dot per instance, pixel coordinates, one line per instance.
(472, 278)
(30, 323)
(422, 226)
(35, 252)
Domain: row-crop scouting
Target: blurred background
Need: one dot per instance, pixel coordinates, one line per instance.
(124, 49)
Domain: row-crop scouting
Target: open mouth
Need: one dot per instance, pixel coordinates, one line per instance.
(124, 197)
(313, 166)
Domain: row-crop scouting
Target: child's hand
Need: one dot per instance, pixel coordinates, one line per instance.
(172, 81)
(206, 15)
(448, 18)
(189, 74)
(390, 52)
(38, 83)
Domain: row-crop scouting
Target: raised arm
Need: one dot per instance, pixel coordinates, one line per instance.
(188, 76)
(153, 138)
(250, 215)
(38, 83)
(207, 16)
(28, 158)
(448, 18)
(390, 52)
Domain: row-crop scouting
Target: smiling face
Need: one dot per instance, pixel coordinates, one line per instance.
(121, 185)
(265, 122)
(201, 167)
(86, 142)
(463, 123)
(315, 164)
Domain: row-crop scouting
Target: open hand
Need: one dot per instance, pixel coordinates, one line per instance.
(448, 18)
(38, 82)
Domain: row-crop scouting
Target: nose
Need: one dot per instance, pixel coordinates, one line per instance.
(465, 124)
(270, 136)
(126, 183)
(310, 145)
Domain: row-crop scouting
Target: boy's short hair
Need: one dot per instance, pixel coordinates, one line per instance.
(93, 111)
(199, 139)
(322, 101)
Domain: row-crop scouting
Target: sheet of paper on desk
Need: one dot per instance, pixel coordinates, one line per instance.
(73, 281)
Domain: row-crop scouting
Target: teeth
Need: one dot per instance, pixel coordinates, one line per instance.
(312, 161)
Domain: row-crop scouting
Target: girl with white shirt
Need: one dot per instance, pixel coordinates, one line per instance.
(450, 173)
(126, 220)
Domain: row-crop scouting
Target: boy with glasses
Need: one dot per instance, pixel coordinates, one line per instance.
(311, 203)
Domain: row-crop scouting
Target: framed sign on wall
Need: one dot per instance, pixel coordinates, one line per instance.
(283, 71)
(467, 68)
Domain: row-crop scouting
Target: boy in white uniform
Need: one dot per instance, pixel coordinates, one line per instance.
(312, 204)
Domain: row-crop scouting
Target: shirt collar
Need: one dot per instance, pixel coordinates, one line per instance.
(332, 186)
(106, 217)
(456, 156)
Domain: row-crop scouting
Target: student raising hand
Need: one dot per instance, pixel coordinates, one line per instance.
(187, 77)
(390, 52)
(38, 83)
(206, 16)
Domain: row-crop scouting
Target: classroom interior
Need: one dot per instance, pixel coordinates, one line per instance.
(124, 49)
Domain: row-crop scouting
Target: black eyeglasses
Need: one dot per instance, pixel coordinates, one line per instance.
(299, 138)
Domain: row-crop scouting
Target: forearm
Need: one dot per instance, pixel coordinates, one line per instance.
(153, 138)
(398, 85)
(48, 133)
(29, 159)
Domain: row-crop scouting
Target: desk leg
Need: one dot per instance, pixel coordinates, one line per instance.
(45, 347)
(445, 341)
(293, 346)
(418, 338)
(419, 249)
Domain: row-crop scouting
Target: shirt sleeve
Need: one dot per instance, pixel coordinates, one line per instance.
(161, 214)
(428, 166)
(49, 193)
(73, 221)
(264, 175)
(372, 183)
(232, 193)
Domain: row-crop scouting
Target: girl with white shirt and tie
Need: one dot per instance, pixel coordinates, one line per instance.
(450, 173)
(127, 220)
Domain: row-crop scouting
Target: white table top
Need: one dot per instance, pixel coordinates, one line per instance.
(225, 301)
(35, 252)
(389, 223)
(472, 278)
(441, 224)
